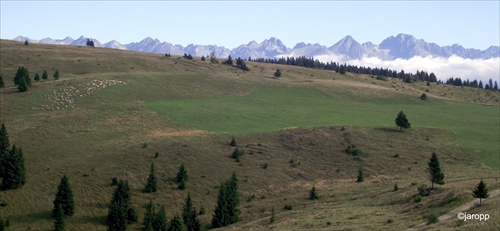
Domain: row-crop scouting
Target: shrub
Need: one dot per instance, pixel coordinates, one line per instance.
(423, 96)
(396, 188)
(423, 190)
(432, 218)
(265, 166)
(417, 198)
(288, 207)
(114, 181)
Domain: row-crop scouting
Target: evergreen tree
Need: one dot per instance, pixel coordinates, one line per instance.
(277, 74)
(402, 121)
(361, 175)
(14, 173)
(26, 43)
(226, 211)
(436, 175)
(182, 185)
(64, 198)
(233, 142)
(229, 61)
(423, 96)
(56, 74)
(160, 220)
(90, 43)
(149, 217)
(37, 77)
(4, 141)
(151, 184)
(45, 76)
(313, 195)
(481, 191)
(22, 86)
(189, 215)
(342, 70)
(202, 58)
(182, 174)
(2, 83)
(120, 211)
(176, 224)
(59, 223)
(495, 87)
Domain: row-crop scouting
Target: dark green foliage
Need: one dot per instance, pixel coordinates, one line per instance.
(59, 223)
(64, 198)
(157, 154)
(202, 211)
(176, 224)
(240, 63)
(152, 184)
(2, 225)
(182, 174)
(188, 56)
(313, 195)
(436, 175)
(342, 70)
(90, 43)
(182, 185)
(481, 191)
(155, 221)
(432, 218)
(361, 175)
(265, 166)
(120, 212)
(402, 121)
(22, 73)
(288, 207)
(229, 61)
(114, 181)
(237, 154)
(233, 142)
(189, 216)
(22, 86)
(277, 74)
(423, 190)
(423, 96)
(37, 77)
(56, 74)
(396, 188)
(351, 149)
(26, 43)
(45, 76)
(226, 211)
(4, 146)
(2, 83)
(14, 173)
(417, 198)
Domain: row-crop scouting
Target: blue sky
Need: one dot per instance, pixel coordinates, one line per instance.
(472, 24)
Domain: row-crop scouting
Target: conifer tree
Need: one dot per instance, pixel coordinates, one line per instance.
(56, 74)
(361, 175)
(189, 216)
(37, 77)
(313, 195)
(151, 184)
(64, 198)
(176, 224)
(22, 85)
(26, 43)
(45, 76)
(117, 217)
(149, 217)
(2, 83)
(402, 121)
(120, 211)
(59, 223)
(160, 222)
(277, 74)
(182, 174)
(436, 175)
(227, 211)
(4, 146)
(233, 142)
(481, 191)
(14, 175)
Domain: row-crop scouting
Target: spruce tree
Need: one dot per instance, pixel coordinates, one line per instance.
(151, 185)
(361, 175)
(4, 146)
(436, 175)
(59, 223)
(189, 216)
(149, 217)
(117, 217)
(160, 222)
(481, 191)
(64, 198)
(176, 224)
(37, 77)
(233, 142)
(45, 76)
(313, 195)
(56, 74)
(14, 175)
(277, 74)
(120, 211)
(182, 174)
(402, 121)
(26, 43)
(22, 85)
(227, 211)
(2, 83)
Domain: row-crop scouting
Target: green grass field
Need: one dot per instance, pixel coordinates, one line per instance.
(189, 110)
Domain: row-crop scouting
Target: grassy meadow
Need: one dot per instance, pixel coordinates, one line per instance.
(298, 125)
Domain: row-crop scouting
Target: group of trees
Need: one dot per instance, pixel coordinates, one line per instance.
(466, 83)
(240, 63)
(90, 43)
(23, 81)
(188, 56)
(12, 168)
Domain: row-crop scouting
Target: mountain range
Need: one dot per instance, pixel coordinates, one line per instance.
(402, 46)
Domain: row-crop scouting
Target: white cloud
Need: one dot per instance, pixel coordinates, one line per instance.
(444, 68)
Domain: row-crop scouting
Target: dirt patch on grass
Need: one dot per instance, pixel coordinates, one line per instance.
(172, 132)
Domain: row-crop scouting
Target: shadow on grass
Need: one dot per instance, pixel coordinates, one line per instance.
(95, 220)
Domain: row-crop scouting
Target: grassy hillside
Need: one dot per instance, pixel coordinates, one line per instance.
(121, 107)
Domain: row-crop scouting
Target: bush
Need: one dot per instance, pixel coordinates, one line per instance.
(389, 221)
(432, 218)
(288, 207)
(417, 198)
(423, 190)
(396, 188)
(351, 149)
(114, 181)
(423, 96)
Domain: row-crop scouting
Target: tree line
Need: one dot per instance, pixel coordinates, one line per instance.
(23, 81)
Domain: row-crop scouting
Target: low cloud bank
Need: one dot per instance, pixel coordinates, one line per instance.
(444, 68)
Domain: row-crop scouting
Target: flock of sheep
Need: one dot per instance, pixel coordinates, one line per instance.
(64, 99)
